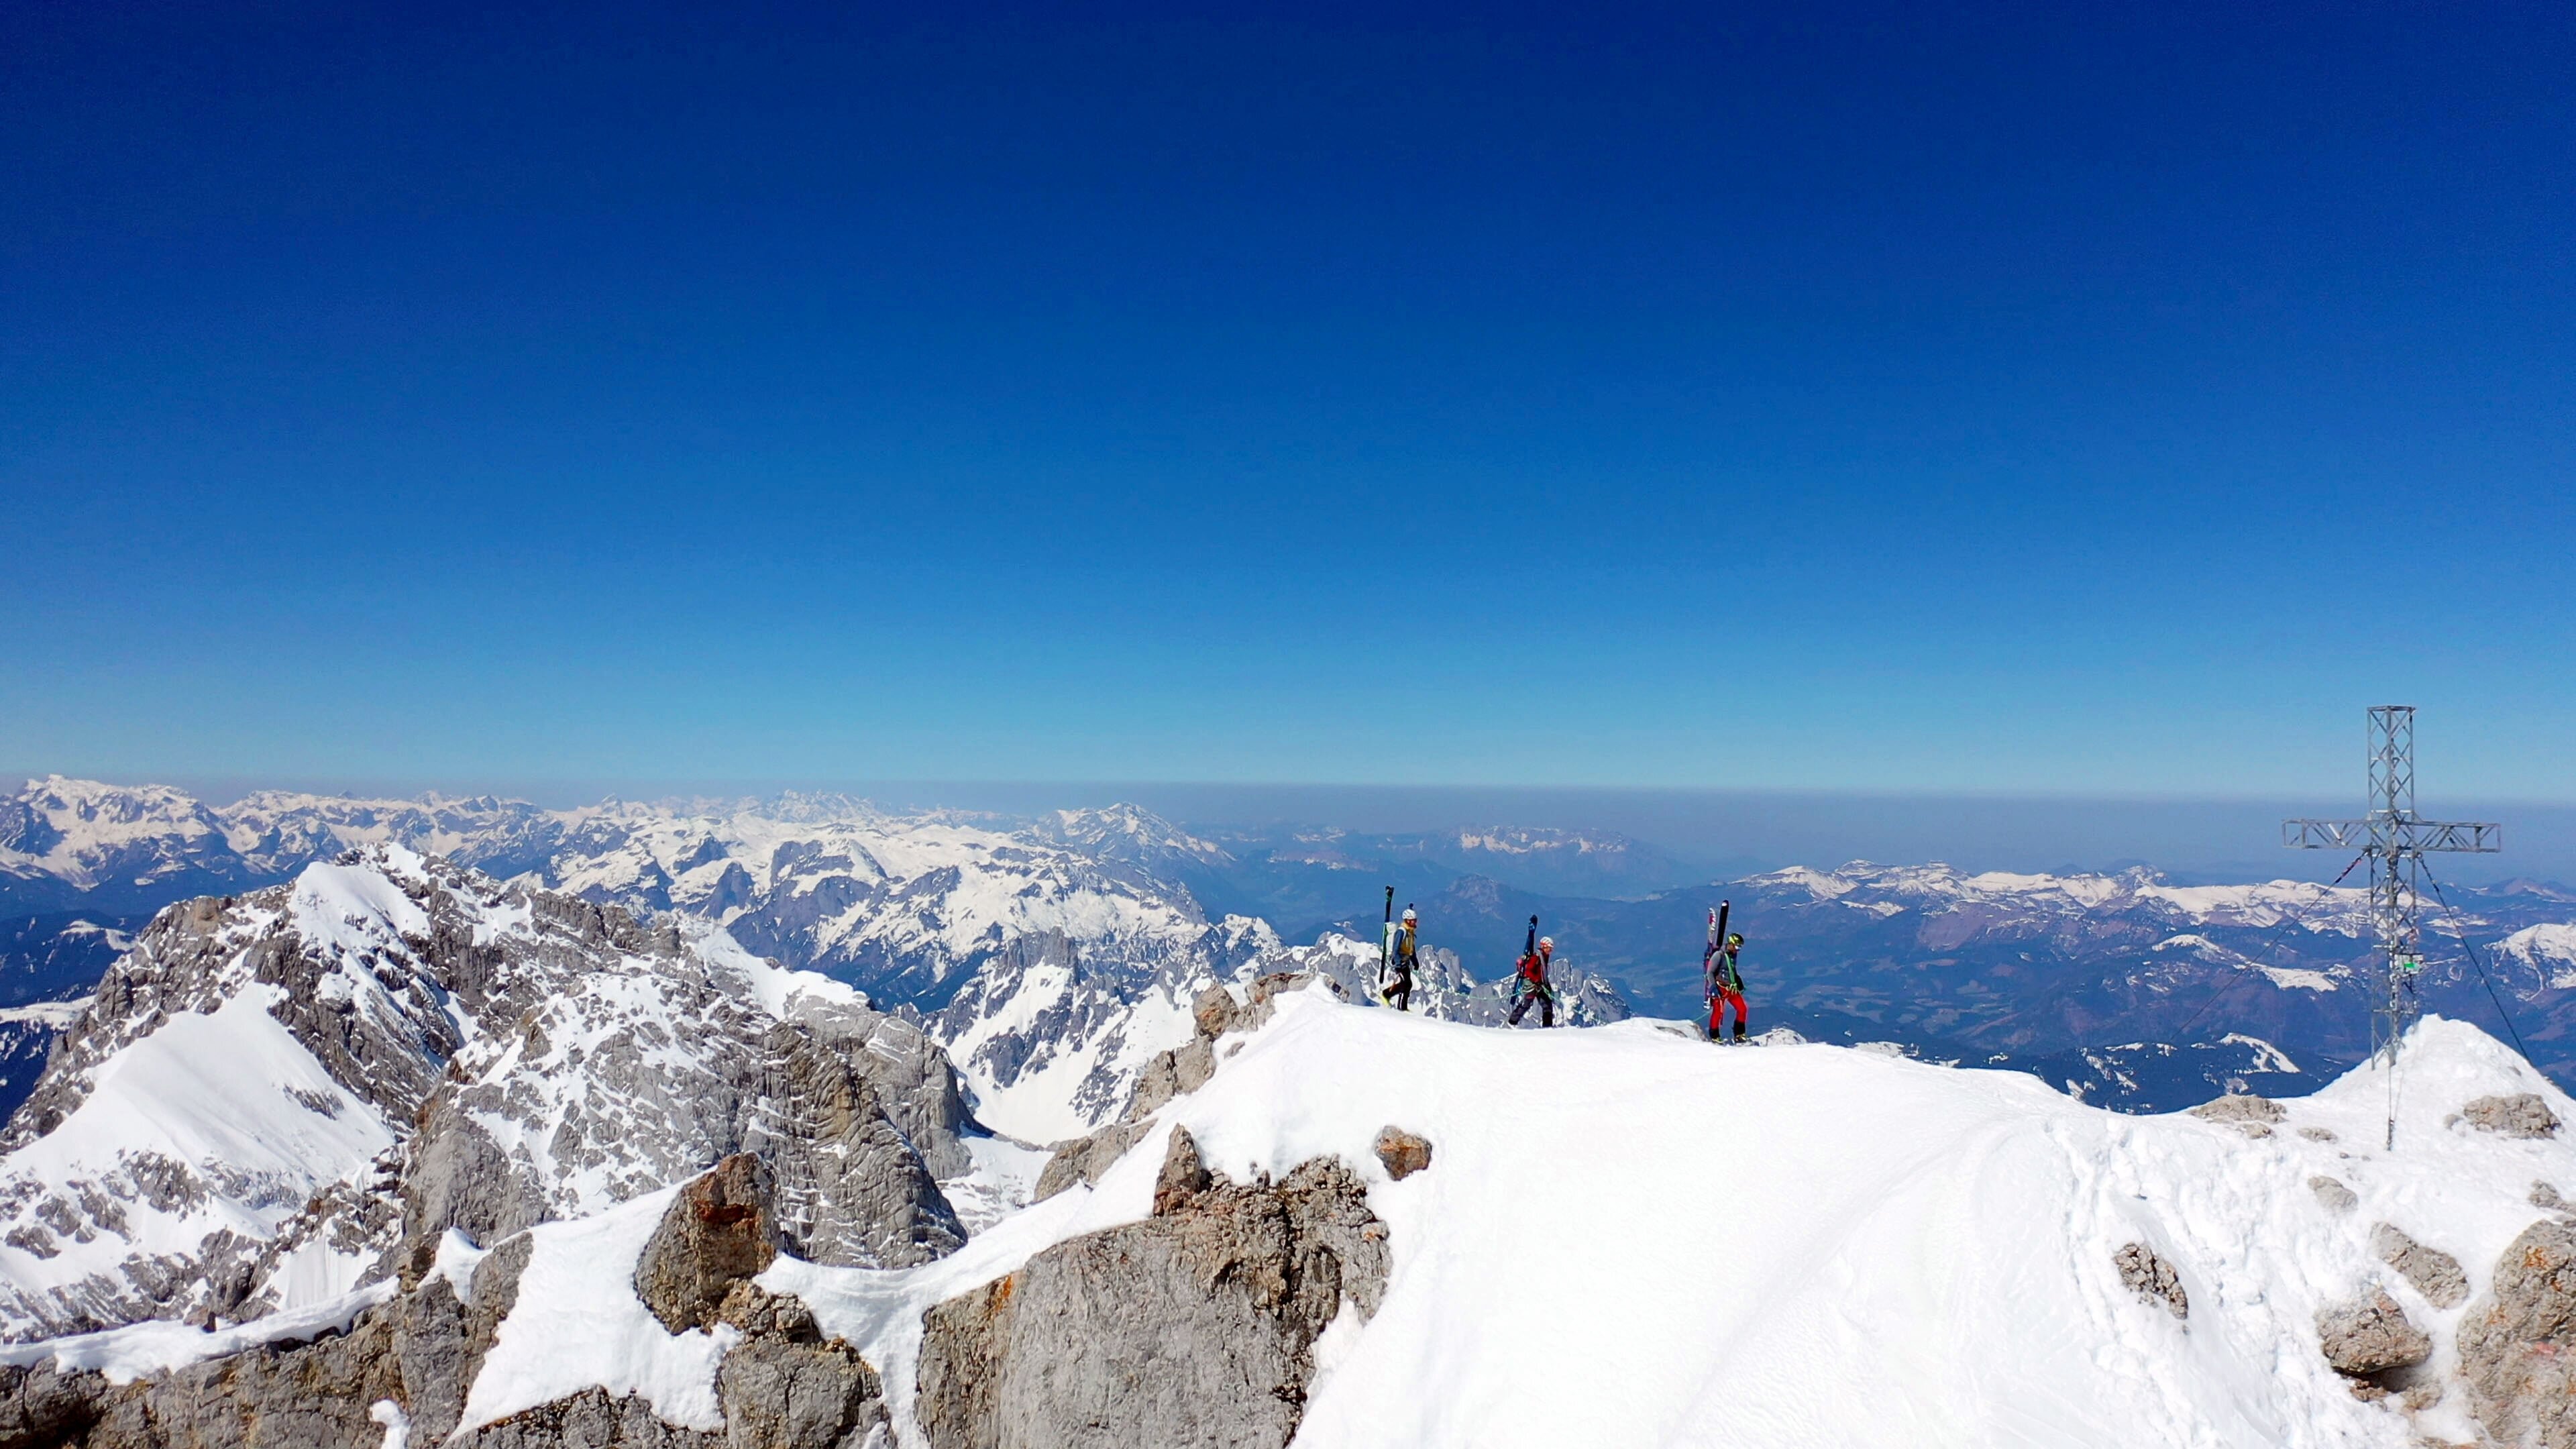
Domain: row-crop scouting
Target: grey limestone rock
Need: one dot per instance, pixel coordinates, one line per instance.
(786, 1386)
(2145, 1272)
(1196, 1326)
(534, 1055)
(1184, 1069)
(2545, 1195)
(2434, 1273)
(2521, 1114)
(2332, 1195)
(2517, 1345)
(1176, 1072)
(1084, 1159)
(2369, 1335)
(590, 1419)
(2254, 1116)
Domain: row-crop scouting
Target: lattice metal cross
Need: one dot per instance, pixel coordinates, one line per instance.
(2395, 839)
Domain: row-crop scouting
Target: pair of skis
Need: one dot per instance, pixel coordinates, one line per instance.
(1709, 964)
(1386, 950)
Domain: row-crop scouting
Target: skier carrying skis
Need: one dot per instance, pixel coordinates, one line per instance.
(1725, 984)
(1399, 990)
(1532, 985)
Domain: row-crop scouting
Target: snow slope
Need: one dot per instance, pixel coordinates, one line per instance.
(1630, 1238)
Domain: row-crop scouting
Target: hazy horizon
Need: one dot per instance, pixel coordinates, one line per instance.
(1726, 831)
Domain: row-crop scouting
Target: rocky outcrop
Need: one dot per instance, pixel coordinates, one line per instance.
(1402, 1153)
(452, 1052)
(788, 1387)
(418, 1353)
(2517, 1345)
(783, 1386)
(2332, 1195)
(1186, 1068)
(2520, 1114)
(2370, 1335)
(1171, 1074)
(718, 1232)
(2434, 1273)
(1084, 1159)
(2254, 1116)
(2144, 1272)
(1195, 1326)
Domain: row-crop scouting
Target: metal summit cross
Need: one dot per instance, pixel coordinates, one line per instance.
(2395, 840)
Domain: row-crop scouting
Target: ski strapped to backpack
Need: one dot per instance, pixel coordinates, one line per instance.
(1708, 958)
(1386, 949)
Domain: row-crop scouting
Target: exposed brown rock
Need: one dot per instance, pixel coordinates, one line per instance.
(716, 1233)
(1402, 1153)
(1183, 1175)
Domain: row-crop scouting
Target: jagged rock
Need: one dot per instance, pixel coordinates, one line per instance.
(1214, 1012)
(1183, 1175)
(1402, 1153)
(1262, 998)
(786, 1386)
(2545, 1195)
(491, 1057)
(2434, 1273)
(851, 1179)
(2247, 1113)
(2332, 1195)
(2319, 1134)
(1084, 1159)
(2521, 1114)
(2370, 1335)
(1196, 1326)
(2518, 1346)
(2148, 1275)
(716, 1233)
(1185, 1068)
(590, 1420)
(1174, 1073)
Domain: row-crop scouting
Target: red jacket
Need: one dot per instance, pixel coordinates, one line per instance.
(1534, 968)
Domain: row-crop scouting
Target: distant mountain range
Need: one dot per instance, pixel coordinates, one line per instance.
(1053, 956)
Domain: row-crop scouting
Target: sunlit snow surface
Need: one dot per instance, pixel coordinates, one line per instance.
(1628, 1238)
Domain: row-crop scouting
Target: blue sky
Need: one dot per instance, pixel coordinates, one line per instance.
(2099, 399)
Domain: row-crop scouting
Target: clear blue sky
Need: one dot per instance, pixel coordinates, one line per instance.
(2093, 398)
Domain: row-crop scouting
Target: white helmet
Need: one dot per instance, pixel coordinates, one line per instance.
(1547, 943)
(1408, 913)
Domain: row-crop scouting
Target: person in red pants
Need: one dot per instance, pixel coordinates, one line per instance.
(1725, 986)
(1533, 984)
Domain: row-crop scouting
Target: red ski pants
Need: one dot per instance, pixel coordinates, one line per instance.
(1717, 1006)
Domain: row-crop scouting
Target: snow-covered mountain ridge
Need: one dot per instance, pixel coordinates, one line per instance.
(1056, 954)
(1619, 1237)
(273, 1099)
